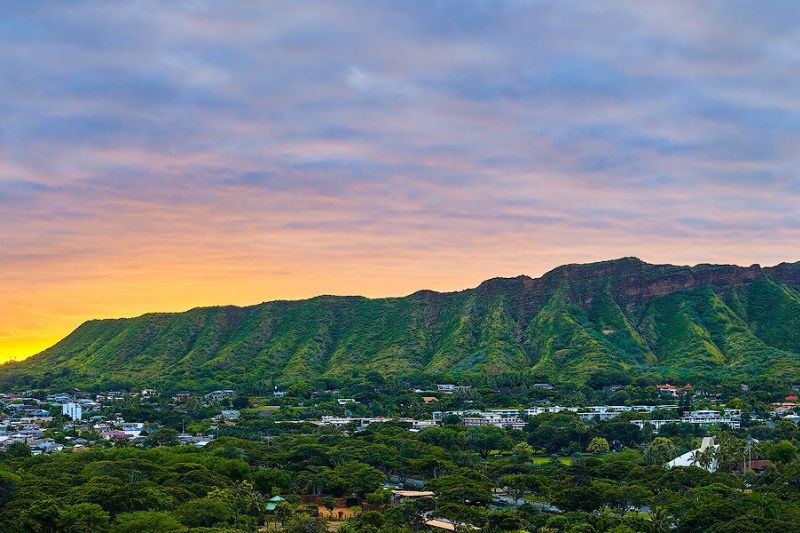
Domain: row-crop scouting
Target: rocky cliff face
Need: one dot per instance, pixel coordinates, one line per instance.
(788, 273)
(631, 279)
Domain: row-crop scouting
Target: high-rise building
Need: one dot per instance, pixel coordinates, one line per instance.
(72, 410)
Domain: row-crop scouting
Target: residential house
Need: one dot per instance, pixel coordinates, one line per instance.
(230, 414)
(182, 395)
(132, 429)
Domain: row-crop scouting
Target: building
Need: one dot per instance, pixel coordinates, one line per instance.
(61, 397)
(729, 417)
(704, 457)
(273, 502)
(366, 421)
(399, 495)
(132, 429)
(114, 435)
(448, 525)
(219, 395)
(72, 410)
(756, 465)
(673, 390)
(345, 401)
(499, 421)
(182, 395)
(147, 393)
(449, 388)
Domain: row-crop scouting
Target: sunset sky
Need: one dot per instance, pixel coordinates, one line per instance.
(161, 156)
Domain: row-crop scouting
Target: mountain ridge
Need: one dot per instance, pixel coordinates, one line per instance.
(577, 323)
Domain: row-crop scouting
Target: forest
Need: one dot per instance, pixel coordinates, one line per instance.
(556, 474)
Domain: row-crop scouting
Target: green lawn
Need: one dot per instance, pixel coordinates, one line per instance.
(544, 459)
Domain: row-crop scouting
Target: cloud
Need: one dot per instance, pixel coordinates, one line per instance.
(380, 147)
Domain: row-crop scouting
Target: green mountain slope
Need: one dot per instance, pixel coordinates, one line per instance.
(575, 323)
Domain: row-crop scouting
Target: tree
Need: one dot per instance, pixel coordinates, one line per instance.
(7, 489)
(484, 439)
(518, 485)
(731, 451)
(42, 517)
(663, 522)
(379, 497)
(302, 523)
(204, 512)
(557, 432)
(301, 389)
(598, 445)
(241, 402)
(523, 453)
(660, 451)
(271, 480)
(578, 498)
(18, 449)
(330, 504)
(146, 522)
(457, 488)
(84, 518)
(283, 512)
(503, 521)
(360, 478)
(782, 451)
(163, 437)
(246, 504)
(703, 458)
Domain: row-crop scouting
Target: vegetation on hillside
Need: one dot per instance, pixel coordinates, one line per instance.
(576, 324)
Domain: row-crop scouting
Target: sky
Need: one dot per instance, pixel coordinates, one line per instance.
(157, 156)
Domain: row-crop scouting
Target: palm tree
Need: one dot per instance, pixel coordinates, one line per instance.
(703, 458)
(662, 520)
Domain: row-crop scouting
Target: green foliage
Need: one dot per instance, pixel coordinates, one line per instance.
(84, 518)
(18, 449)
(597, 445)
(660, 451)
(782, 451)
(147, 522)
(225, 485)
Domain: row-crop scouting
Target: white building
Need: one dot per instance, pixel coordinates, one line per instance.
(449, 388)
(133, 429)
(230, 414)
(730, 417)
(219, 395)
(72, 410)
(695, 457)
(499, 421)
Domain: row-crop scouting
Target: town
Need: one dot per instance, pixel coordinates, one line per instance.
(679, 427)
(77, 419)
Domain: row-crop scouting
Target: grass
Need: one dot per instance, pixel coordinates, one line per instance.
(540, 460)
